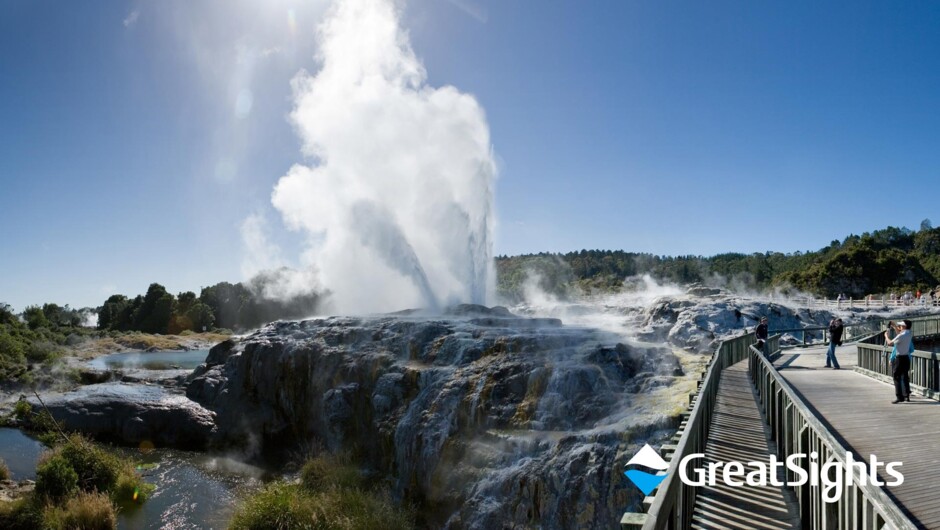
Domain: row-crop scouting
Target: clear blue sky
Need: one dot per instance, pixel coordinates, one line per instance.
(129, 152)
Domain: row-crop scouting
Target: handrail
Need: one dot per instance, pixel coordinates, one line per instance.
(925, 366)
(850, 332)
(869, 302)
(674, 501)
(796, 429)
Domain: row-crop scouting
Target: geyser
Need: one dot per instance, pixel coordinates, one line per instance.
(397, 195)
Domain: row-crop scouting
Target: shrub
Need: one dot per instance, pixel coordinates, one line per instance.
(41, 351)
(96, 468)
(85, 511)
(22, 410)
(21, 514)
(4, 470)
(326, 471)
(55, 479)
(130, 488)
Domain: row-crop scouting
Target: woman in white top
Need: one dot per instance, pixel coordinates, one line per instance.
(901, 361)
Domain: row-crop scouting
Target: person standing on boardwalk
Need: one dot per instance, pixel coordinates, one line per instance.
(761, 334)
(901, 361)
(835, 339)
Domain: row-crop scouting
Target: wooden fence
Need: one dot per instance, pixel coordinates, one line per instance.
(672, 505)
(925, 368)
(796, 430)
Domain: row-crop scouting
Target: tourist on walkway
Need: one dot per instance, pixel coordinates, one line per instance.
(835, 339)
(761, 334)
(901, 361)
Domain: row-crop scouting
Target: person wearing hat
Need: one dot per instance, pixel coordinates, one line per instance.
(901, 360)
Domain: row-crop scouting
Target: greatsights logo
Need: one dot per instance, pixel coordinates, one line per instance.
(647, 457)
(832, 476)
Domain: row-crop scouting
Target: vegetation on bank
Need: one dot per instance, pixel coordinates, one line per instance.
(41, 336)
(78, 485)
(883, 261)
(331, 494)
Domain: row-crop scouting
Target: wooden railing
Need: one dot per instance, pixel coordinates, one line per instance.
(925, 367)
(796, 430)
(671, 506)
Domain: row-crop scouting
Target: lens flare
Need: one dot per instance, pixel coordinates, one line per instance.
(292, 21)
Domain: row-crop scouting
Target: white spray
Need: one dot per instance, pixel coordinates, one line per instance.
(397, 199)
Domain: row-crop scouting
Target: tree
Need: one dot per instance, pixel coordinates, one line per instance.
(926, 225)
(35, 317)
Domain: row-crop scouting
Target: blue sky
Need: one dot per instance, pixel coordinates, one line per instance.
(135, 137)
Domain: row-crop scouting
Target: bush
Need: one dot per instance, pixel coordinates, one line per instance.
(130, 489)
(55, 479)
(96, 468)
(4, 470)
(85, 511)
(326, 471)
(21, 514)
(22, 410)
(12, 357)
(41, 351)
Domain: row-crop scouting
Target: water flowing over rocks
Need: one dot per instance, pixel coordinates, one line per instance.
(482, 418)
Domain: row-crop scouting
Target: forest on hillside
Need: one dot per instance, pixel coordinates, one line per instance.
(888, 260)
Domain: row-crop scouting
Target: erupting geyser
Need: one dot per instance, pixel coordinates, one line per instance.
(397, 197)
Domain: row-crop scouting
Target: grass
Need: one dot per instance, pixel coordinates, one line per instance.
(331, 495)
(330, 470)
(85, 511)
(137, 341)
(4, 470)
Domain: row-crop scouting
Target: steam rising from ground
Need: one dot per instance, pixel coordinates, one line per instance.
(397, 200)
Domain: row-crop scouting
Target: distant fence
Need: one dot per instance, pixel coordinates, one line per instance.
(925, 367)
(673, 503)
(796, 430)
(870, 302)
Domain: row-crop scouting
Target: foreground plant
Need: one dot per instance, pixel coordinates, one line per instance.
(331, 495)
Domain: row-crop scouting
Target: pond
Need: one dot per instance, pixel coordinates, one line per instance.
(20, 452)
(159, 360)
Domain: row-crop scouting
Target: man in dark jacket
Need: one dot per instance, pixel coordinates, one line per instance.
(761, 334)
(835, 339)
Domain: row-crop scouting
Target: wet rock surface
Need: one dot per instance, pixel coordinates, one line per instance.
(481, 418)
(132, 413)
(10, 490)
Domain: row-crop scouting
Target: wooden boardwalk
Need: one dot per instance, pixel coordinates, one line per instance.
(858, 410)
(737, 433)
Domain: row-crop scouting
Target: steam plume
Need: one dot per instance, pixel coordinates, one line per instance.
(397, 199)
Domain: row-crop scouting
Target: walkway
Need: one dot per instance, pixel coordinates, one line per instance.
(858, 410)
(737, 433)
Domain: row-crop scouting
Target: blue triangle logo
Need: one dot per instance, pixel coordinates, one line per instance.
(645, 481)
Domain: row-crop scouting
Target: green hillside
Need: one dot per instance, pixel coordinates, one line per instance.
(892, 259)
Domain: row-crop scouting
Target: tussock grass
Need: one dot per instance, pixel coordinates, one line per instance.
(332, 494)
(4, 470)
(85, 511)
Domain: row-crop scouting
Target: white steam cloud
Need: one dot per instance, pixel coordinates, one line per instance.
(397, 201)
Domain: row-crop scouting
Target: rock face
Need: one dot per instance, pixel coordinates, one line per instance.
(699, 323)
(132, 413)
(484, 419)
